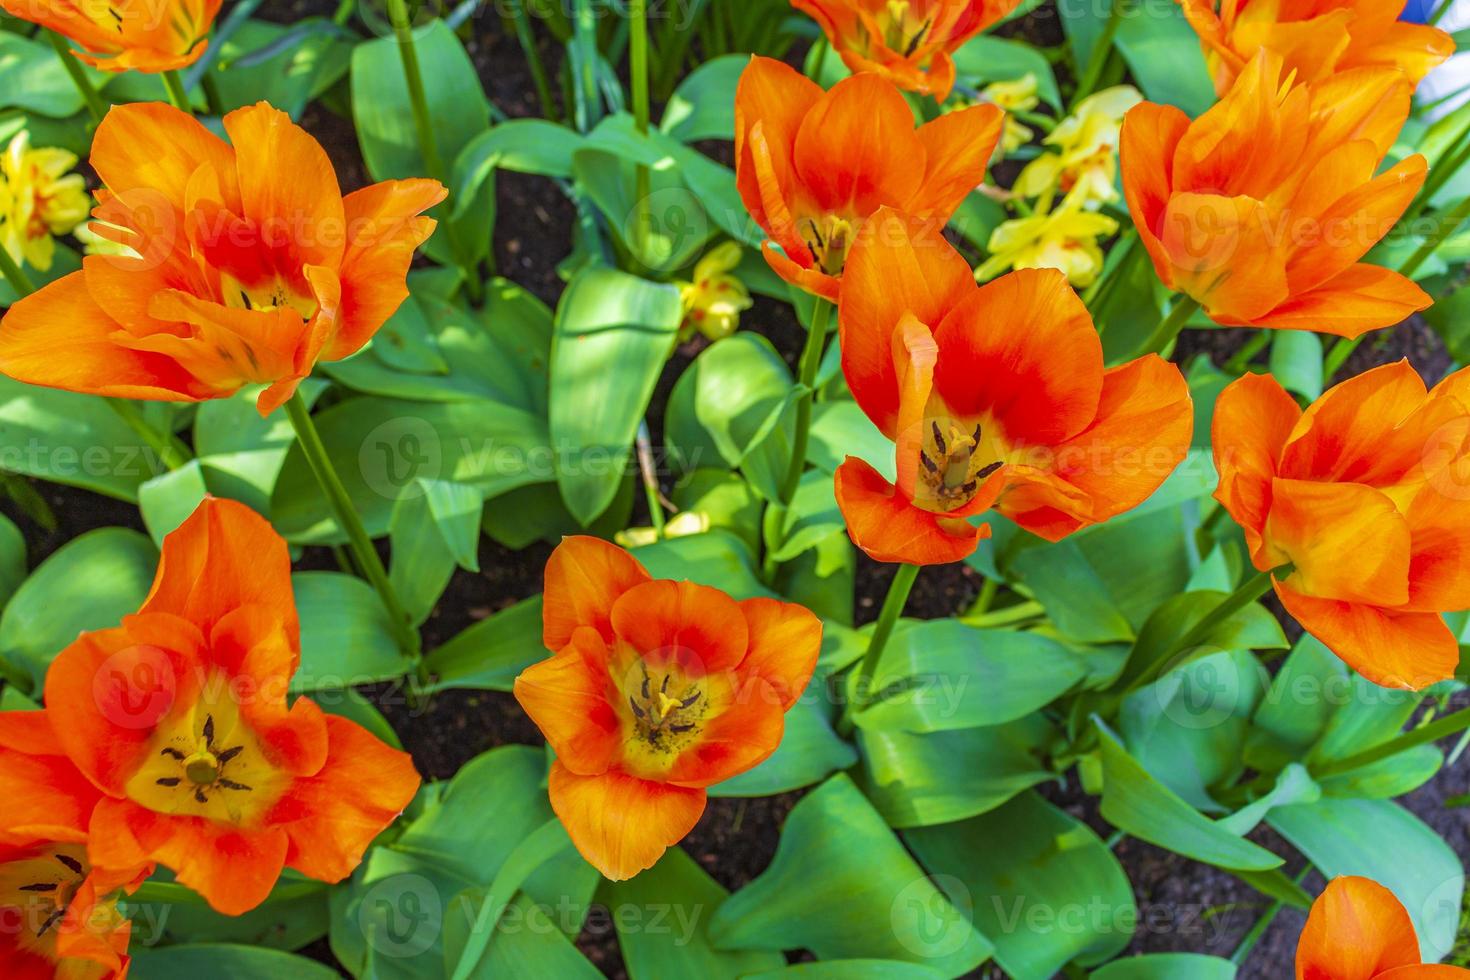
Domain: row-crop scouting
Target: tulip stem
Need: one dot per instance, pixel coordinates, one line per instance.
(95, 104)
(893, 603)
(177, 94)
(1451, 724)
(1249, 591)
(171, 452)
(638, 72)
(1171, 325)
(428, 144)
(527, 38)
(649, 473)
(362, 546)
(15, 275)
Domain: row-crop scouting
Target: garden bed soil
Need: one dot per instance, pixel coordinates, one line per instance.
(1184, 906)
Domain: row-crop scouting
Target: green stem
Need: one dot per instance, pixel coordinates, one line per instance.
(811, 361)
(1447, 226)
(1243, 357)
(1098, 57)
(527, 38)
(638, 70)
(1018, 613)
(212, 97)
(362, 545)
(1451, 724)
(1338, 355)
(177, 94)
(95, 103)
(893, 603)
(171, 451)
(1170, 326)
(646, 469)
(343, 14)
(1249, 591)
(1243, 951)
(15, 275)
(428, 145)
(1440, 11)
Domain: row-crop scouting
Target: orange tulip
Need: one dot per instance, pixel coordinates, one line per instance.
(122, 35)
(1358, 930)
(1366, 497)
(909, 42)
(249, 264)
(55, 921)
(812, 165)
(179, 716)
(655, 691)
(1261, 208)
(995, 396)
(1316, 38)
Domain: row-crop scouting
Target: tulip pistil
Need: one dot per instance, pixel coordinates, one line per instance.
(828, 238)
(665, 709)
(950, 471)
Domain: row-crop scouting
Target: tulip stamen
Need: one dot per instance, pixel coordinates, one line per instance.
(660, 712)
(951, 475)
(828, 239)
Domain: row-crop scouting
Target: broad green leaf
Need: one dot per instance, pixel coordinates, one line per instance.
(35, 78)
(823, 577)
(1158, 44)
(537, 513)
(1367, 715)
(809, 752)
(12, 559)
(842, 886)
(703, 106)
(288, 77)
(1304, 695)
(242, 453)
(346, 639)
(742, 392)
(1389, 778)
(811, 518)
(528, 146)
(1381, 840)
(1296, 362)
(224, 960)
(942, 674)
(167, 500)
(919, 780)
(664, 915)
(90, 583)
(850, 970)
(1167, 966)
(527, 943)
(1251, 628)
(613, 333)
(727, 501)
(716, 558)
(286, 923)
(1027, 894)
(1136, 802)
(988, 59)
(840, 429)
(492, 652)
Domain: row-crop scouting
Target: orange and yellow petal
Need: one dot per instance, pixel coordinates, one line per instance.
(1344, 541)
(154, 147)
(745, 729)
(857, 150)
(785, 642)
(621, 824)
(1359, 299)
(889, 528)
(777, 97)
(1356, 930)
(1223, 252)
(584, 578)
(1358, 430)
(1146, 148)
(566, 695)
(46, 796)
(1254, 417)
(957, 149)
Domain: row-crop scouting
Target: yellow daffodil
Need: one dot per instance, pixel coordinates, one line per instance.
(1065, 239)
(714, 300)
(1083, 151)
(39, 198)
(1013, 96)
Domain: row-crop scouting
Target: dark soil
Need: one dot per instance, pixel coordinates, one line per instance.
(1198, 908)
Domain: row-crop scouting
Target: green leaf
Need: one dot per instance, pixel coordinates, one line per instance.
(1386, 779)
(492, 652)
(380, 447)
(823, 577)
(1050, 865)
(850, 970)
(1381, 840)
(663, 920)
(1167, 966)
(285, 923)
(1251, 628)
(703, 106)
(840, 429)
(168, 499)
(1296, 362)
(1294, 714)
(919, 780)
(811, 518)
(742, 392)
(12, 559)
(458, 112)
(528, 146)
(90, 583)
(432, 532)
(346, 639)
(236, 962)
(316, 57)
(1160, 47)
(842, 886)
(1136, 802)
(942, 674)
(716, 558)
(36, 80)
(242, 453)
(987, 59)
(809, 752)
(1367, 715)
(614, 331)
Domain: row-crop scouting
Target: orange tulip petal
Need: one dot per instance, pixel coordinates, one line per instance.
(1408, 650)
(154, 147)
(1346, 541)
(695, 626)
(1022, 351)
(957, 147)
(857, 150)
(1146, 148)
(1356, 930)
(1362, 104)
(58, 337)
(814, 281)
(567, 698)
(46, 796)
(1355, 222)
(777, 96)
(1224, 252)
(332, 816)
(1361, 298)
(1253, 418)
(900, 265)
(1355, 432)
(889, 528)
(785, 642)
(742, 736)
(584, 578)
(622, 825)
(1439, 569)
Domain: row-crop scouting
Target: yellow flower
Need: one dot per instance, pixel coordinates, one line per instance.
(681, 525)
(1065, 239)
(1085, 146)
(714, 300)
(39, 198)
(1016, 95)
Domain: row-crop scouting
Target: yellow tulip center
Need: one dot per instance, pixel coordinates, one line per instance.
(952, 465)
(828, 238)
(40, 888)
(903, 29)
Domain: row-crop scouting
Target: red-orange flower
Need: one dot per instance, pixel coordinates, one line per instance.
(180, 717)
(654, 691)
(909, 42)
(123, 35)
(1316, 38)
(813, 165)
(250, 265)
(1358, 930)
(1261, 208)
(995, 396)
(1366, 496)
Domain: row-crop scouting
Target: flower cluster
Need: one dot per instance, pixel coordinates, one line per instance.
(40, 198)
